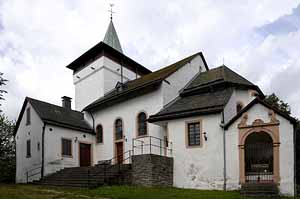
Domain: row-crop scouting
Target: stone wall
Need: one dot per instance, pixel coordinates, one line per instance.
(152, 170)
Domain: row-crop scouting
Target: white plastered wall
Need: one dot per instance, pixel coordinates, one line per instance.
(238, 95)
(32, 132)
(199, 168)
(150, 103)
(181, 78)
(96, 79)
(54, 160)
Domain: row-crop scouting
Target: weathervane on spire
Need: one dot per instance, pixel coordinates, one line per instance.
(111, 10)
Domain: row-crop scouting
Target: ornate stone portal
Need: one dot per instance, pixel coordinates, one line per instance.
(258, 125)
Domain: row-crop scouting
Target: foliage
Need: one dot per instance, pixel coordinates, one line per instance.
(278, 103)
(7, 150)
(2, 83)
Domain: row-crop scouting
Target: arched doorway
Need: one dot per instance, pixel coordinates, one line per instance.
(259, 158)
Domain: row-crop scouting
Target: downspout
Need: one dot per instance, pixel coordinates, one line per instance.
(224, 150)
(43, 150)
(92, 119)
(295, 161)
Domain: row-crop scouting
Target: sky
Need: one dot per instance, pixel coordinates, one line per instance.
(259, 39)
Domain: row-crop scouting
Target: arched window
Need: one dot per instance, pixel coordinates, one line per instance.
(118, 129)
(239, 107)
(99, 133)
(142, 124)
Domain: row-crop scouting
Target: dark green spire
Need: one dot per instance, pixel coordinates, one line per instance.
(111, 38)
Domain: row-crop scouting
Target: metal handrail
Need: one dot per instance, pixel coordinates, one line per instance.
(34, 174)
(28, 175)
(167, 145)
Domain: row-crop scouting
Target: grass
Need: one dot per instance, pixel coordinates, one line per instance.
(113, 192)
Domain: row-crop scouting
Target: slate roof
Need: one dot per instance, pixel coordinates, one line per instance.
(199, 104)
(56, 115)
(207, 93)
(140, 86)
(221, 74)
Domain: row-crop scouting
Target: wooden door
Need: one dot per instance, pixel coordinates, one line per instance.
(119, 148)
(85, 155)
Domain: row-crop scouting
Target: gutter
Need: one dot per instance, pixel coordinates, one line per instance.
(92, 119)
(43, 150)
(295, 161)
(224, 150)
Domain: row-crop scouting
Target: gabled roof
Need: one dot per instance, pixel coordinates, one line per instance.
(151, 80)
(262, 102)
(56, 115)
(220, 75)
(102, 49)
(111, 37)
(198, 104)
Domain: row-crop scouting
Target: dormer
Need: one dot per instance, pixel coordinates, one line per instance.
(98, 70)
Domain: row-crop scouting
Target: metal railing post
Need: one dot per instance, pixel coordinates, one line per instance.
(132, 146)
(88, 178)
(142, 148)
(160, 147)
(150, 145)
(26, 176)
(104, 174)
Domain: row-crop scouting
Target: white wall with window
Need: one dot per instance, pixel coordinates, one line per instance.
(128, 112)
(239, 99)
(198, 163)
(28, 144)
(62, 147)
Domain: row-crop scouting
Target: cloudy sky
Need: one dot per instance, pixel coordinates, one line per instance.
(258, 39)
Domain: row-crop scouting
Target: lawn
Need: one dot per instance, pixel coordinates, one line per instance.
(114, 192)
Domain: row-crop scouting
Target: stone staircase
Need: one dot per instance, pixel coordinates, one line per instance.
(260, 190)
(87, 177)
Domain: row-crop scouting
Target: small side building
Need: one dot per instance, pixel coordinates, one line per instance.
(49, 138)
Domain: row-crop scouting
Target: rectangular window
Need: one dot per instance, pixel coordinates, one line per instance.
(28, 116)
(28, 149)
(66, 147)
(193, 134)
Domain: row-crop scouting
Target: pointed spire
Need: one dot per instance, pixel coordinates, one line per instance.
(111, 37)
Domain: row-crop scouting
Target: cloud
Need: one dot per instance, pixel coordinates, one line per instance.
(283, 25)
(38, 39)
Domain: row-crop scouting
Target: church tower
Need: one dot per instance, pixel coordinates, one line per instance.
(101, 68)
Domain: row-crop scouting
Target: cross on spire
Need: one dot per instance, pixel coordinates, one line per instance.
(111, 11)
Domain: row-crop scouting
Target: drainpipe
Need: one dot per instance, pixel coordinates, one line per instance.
(224, 150)
(92, 119)
(43, 150)
(295, 162)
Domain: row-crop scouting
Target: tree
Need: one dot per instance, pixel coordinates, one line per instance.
(278, 103)
(2, 83)
(7, 143)
(7, 150)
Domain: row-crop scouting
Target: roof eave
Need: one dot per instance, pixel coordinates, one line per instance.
(95, 50)
(68, 126)
(122, 94)
(183, 114)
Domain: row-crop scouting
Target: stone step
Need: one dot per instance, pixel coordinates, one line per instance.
(58, 184)
(87, 176)
(260, 190)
